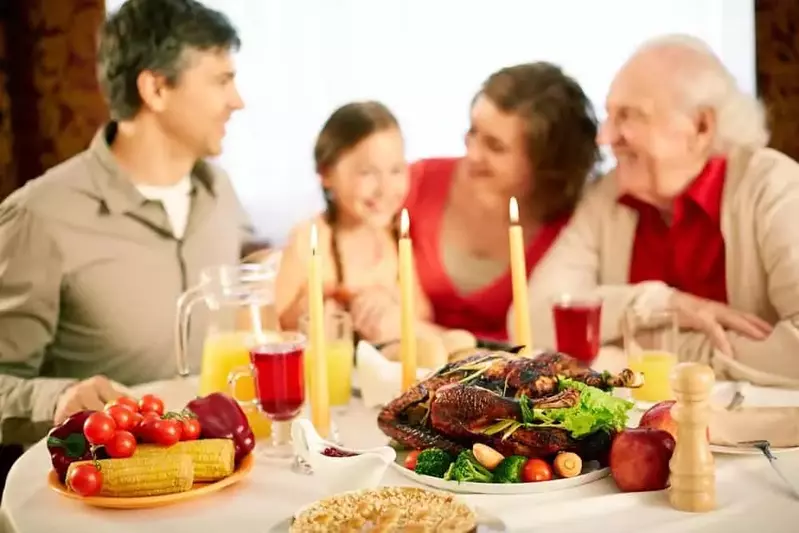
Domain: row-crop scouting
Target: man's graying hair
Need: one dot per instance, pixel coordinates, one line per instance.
(704, 82)
(154, 35)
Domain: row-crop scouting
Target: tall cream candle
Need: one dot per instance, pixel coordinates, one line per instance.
(522, 334)
(408, 315)
(320, 399)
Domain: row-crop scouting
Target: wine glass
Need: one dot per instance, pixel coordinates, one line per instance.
(276, 367)
(577, 325)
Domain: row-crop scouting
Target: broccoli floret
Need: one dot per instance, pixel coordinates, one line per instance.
(433, 462)
(466, 468)
(510, 469)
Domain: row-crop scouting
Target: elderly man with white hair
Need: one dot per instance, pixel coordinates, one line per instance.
(698, 215)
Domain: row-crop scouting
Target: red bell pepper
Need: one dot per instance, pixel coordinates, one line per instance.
(221, 417)
(67, 444)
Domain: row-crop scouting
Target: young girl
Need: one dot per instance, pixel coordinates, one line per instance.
(360, 159)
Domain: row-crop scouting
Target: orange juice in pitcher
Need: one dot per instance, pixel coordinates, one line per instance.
(240, 301)
(222, 353)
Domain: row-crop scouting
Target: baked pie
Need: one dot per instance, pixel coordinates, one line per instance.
(387, 510)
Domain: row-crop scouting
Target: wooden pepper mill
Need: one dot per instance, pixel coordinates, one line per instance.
(693, 471)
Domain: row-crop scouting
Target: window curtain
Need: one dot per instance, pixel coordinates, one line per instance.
(50, 104)
(777, 30)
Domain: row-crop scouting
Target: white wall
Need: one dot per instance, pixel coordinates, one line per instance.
(425, 59)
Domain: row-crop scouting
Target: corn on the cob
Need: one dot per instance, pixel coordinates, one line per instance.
(144, 476)
(213, 458)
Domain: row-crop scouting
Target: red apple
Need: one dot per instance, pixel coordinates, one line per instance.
(639, 459)
(659, 417)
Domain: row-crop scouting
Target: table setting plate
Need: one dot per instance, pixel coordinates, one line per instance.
(147, 502)
(592, 471)
(748, 450)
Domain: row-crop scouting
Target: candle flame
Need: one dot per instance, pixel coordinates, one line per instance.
(514, 210)
(405, 224)
(314, 239)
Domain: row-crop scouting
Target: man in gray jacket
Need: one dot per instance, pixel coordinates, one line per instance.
(94, 254)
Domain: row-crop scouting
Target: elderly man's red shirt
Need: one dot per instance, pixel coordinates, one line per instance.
(686, 253)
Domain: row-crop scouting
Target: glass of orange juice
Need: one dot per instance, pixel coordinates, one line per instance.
(340, 352)
(650, 344)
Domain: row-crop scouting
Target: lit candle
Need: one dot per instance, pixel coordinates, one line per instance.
(408, 316)
(320, 399)
(522, 335)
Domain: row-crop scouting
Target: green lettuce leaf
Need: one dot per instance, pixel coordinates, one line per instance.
(596, 411)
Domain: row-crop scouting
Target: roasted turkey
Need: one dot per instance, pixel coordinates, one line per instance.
(453, 408)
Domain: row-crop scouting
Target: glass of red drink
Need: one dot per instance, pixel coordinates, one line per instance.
(577, 325)
(276, 367)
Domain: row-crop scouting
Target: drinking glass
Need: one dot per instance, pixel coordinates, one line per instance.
(577, 325)
(650, 344)
(340, 353)
(276, 367)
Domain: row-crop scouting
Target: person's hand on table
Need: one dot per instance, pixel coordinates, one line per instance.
(90, 394)
(376, 313)
(714, 319)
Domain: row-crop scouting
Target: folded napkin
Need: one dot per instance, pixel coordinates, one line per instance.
(379, 378)
(778, 425)
(766, 413)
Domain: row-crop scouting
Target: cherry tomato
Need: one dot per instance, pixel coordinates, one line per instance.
(125, 401)
(136, 420)
(99, 428)
(151, 402)
(85, 480)
(144, 430)
(165, 432)
(123, 417)
(146, 426)
(149, 415)
(191, 429)
(536, 470)
(121, 445)
(179, 425)
(410, 459)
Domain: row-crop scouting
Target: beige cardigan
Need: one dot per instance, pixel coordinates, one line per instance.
(760, 223)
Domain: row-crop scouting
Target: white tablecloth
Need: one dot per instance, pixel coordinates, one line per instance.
(751, 497)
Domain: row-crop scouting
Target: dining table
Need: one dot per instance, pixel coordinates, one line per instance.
(751, 497)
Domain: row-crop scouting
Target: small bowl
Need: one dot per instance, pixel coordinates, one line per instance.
(364, 470)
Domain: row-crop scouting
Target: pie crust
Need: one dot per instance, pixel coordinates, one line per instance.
(387, 510)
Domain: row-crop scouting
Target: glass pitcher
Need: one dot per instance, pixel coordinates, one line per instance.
(241, 313)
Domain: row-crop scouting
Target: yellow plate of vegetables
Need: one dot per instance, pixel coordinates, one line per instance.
(132, 455)
(172, 472)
